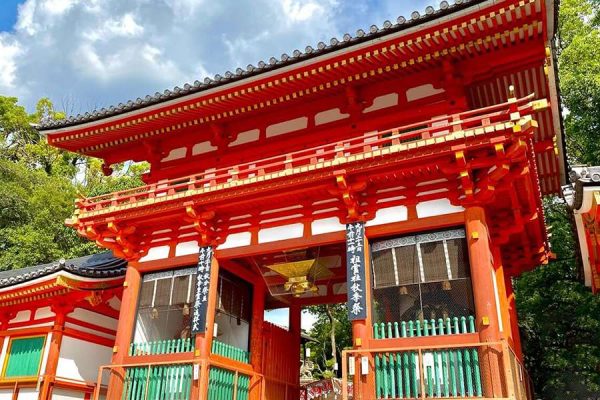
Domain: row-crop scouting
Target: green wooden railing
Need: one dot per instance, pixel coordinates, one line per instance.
(161, 347)
(158, 382)
(229, 351)
(447, 373)
(449, 326)
(222, 384)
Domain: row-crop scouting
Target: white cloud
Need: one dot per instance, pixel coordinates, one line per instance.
(102, 52)
(57, 7)
(124, 26)
(10, 51)
(298, 10)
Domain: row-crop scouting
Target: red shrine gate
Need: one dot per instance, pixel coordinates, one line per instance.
(400, 170)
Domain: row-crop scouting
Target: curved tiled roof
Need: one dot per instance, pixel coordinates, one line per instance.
(274, 63)
(579, 178)
(102, 265)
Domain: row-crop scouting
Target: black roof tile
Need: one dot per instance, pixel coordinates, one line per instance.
(334, 44)
(102, 265)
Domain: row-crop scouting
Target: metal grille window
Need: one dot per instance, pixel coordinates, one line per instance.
(421, 277)
(234, 311)
(165, 306)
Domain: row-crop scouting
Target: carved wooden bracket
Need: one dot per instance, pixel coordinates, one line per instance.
(204, 224)
(349, 194)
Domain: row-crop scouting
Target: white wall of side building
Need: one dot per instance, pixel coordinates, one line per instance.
(64, 394)
(28, 394)
(80, 360)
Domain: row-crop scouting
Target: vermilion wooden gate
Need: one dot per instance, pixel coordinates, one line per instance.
(281, 363)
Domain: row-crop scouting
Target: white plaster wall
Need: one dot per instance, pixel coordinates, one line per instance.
(175, 154)
(202, 147)
(287, 126)
(46, 352)
(44, 312)
(389, 215)
(89, 330)
(383, 101)
(80, 360)
(28, 394)
(6, 394)
(326, 225)
(280, 233)
(420, 92)
(156, 253)
(21, 316)
(185, 248)
(236, 240)
(32, 326)
(94, 318)
(246, 137)
(62, 394)
(331, 115)
(433, 208)
(4, 349)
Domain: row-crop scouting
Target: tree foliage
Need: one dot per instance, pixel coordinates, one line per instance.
(560, 319)
(38, 184)
(321, 349)
(579, 72)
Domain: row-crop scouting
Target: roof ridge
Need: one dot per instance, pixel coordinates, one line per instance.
(102, 265)
(273, 63)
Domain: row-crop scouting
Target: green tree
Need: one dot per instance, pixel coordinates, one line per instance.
(579, 72)
(333, 333)
(560, 319)
(38, 184)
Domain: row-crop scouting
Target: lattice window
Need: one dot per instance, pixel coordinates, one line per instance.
(421, 277)
(165, 307)
(24, 357)
(234, 311)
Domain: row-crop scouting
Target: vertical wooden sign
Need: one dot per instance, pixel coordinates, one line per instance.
(202, 290)
(355, 270)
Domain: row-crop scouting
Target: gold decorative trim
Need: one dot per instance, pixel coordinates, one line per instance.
(403, 47)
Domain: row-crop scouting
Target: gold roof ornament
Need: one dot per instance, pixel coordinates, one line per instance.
(301, 275)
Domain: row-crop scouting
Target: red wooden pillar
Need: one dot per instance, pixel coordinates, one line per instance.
(514, 322)
(60, 310)
(505, 329)
(125, 327)
(486, 312)
(256, 335)
(362, 333)
(204, 340)
(295, 324)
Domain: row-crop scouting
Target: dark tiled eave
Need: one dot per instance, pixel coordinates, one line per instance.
(297, 56)
(101, 266)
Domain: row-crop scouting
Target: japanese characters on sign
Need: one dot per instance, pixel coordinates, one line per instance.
(202, 290)
(355, 266)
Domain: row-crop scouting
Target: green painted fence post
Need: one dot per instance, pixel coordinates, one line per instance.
(475, 360)
(445, 374)
(436, 374)
(378, 380)
(429, 382)
(392, 372)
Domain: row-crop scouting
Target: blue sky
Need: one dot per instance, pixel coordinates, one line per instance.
(8, 14)
(86, 54)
